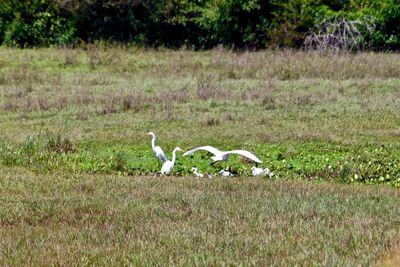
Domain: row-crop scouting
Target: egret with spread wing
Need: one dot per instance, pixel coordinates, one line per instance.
(157, 150)
(223, 155)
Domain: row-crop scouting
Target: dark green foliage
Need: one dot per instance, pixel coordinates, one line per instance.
(38, 22)
(292, 20)
(191, 23)
(241, 23)
(387, 35)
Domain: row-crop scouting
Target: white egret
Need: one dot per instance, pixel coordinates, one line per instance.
(169, 164)
(194, 170)
(225, 173)
(258, 171)
(228, 172)
(223, 155)
(160, 155)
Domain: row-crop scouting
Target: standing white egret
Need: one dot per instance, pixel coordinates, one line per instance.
(160, 155)
(169, 164)
(223, 155)
(197, 174)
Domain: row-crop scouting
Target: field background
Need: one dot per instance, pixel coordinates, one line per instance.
(307, 115)
(78, 174)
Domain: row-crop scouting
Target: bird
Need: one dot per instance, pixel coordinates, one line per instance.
(232, 171)
(194, 170)
(258, 171)
(160, 155)
(225, 173)
(169, 164)
(223, 155)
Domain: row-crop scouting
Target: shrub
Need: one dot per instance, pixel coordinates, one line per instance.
(340, 33)
(387, 35)
(241, 23)
(28, 23)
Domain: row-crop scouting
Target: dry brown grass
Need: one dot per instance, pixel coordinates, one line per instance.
(180, 75)
(390, 258)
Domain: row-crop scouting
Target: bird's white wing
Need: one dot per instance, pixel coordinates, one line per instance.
(160, 153)
(207, 148)
(244, 153)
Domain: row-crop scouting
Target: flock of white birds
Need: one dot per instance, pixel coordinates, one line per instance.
(218, 155)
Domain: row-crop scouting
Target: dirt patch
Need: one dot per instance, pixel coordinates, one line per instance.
(391, 257)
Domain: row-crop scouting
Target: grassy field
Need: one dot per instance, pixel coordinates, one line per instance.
(80, 219)
(306, 115)
(78, 174)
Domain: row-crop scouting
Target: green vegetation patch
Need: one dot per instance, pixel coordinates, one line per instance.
(49, 153)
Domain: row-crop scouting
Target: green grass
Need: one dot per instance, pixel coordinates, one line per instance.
(77, 173)
(85, 219)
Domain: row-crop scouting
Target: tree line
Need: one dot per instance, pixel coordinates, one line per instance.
(202, 24)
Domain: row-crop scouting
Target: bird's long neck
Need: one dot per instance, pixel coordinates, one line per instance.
(173, 156)
(153, 142)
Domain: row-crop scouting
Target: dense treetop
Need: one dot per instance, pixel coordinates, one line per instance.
(201, 24)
